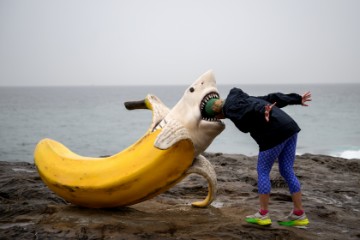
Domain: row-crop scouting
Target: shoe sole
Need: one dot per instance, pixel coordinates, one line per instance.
(294, 223)
(257, 221)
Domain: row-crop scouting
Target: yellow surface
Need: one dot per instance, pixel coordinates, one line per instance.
(133, 175)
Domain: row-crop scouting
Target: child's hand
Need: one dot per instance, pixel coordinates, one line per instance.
(267, 111)
(305, 98)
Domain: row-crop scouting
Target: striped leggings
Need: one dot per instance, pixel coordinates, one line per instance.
(285, 153)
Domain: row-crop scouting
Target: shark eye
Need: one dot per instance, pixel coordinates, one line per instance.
(191, 89)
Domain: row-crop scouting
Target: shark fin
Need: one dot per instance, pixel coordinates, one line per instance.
(172, 132)
(159, 109)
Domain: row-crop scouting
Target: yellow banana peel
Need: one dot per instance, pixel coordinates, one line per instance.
(135, 174)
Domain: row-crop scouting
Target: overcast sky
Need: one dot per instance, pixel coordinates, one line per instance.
(142, 42)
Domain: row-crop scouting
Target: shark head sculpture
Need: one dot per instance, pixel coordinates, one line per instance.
(185, 119)
(189, 108)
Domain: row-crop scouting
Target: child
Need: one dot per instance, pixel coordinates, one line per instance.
(276, 134)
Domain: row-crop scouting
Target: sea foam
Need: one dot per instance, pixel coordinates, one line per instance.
(349, 154)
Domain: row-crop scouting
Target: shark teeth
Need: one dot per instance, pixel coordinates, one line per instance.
(203, 103)
(210, 119)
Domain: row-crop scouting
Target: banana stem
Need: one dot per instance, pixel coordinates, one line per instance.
(132, 105)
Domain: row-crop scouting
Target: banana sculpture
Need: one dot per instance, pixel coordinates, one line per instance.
(167, 153)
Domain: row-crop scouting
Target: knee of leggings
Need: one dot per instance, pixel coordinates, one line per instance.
(264, 184)
(292, 182)
(287, 175)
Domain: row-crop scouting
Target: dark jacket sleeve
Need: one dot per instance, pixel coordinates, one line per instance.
(282, 100)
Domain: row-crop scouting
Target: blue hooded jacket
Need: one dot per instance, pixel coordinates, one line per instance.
(248, 115)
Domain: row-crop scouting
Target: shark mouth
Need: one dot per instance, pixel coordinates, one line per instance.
(202, 106)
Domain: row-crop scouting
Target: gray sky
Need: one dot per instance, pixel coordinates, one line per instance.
(136, 42)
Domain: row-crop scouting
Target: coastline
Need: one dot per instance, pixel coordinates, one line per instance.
(331, 198)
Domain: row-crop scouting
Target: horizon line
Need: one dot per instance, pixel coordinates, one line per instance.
(174, 85)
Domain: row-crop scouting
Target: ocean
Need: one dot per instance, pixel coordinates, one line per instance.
(92, 121)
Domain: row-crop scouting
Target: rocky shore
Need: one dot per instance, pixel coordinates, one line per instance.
(331, 186)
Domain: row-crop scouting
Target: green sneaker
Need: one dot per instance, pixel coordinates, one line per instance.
(257, 218)
(294, 221)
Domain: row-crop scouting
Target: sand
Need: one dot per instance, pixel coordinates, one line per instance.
(29, 210)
